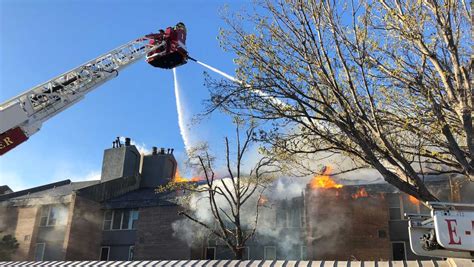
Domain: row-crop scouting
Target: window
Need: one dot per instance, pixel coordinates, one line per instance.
(395, 213)
(269, 253)
(395, 208)
(117, 219)
(382, 234)
(210, 253)
(131, 251)
(52, 215)
(120, 219)
(134, 219)
(303, 218)
(398, 251)
(107, 219)
(27, 238)
(39, 251)
(126, 220)
(104, 253)
(246, 253)
(304, 253)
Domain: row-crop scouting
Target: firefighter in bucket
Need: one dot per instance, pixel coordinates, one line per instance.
(171, 47)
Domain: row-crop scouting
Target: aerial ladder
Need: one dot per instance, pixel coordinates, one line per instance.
(23, 115)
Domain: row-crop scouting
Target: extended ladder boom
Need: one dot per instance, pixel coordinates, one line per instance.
(23, 115)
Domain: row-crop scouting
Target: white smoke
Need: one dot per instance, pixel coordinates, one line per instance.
(141, 147)
(182, 125)
(269, 228)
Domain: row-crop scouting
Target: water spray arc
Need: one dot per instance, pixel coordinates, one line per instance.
(179, 108)
(233, 79)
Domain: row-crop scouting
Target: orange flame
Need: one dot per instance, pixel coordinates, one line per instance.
(413, 200)
(324, 180)
(179, 179)
(360, 193)
(262, 200)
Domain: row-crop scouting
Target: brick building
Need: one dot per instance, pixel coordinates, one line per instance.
(120, 217)
(116, 218)
(355, 222)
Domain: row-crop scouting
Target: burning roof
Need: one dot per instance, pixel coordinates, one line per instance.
(324, 180)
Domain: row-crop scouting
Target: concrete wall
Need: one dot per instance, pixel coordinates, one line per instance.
(120, 162)
(82, 240)
(155, 238)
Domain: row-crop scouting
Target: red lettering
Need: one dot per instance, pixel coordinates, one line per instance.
(453, 232)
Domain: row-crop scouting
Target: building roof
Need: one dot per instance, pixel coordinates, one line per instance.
(144, 197)
(56, 189)
(5, 189)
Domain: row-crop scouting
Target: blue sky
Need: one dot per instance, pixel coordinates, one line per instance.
(41, 39)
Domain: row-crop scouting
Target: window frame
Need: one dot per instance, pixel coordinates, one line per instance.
(404, 248)
(382, 232)
(400, 206)
(58, 221)
(131, 251)
(132, 218)
(303, 249)
(215, 252)
(42, 253)
(105, 219)
(108, 253)
(114, 212)
(265, 252)
(246, 249)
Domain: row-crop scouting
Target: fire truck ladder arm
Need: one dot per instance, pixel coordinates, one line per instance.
(28, 111)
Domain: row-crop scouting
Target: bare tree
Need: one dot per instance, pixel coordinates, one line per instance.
(227, 197)
(385, 83)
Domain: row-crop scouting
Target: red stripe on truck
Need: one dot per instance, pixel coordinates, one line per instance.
(11, 138)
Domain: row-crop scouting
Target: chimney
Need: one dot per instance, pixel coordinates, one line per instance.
(120, 161)
(157, 169)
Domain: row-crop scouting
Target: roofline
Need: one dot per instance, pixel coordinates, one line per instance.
(34, 189)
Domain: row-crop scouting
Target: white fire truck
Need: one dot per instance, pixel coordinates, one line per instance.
(448, 232)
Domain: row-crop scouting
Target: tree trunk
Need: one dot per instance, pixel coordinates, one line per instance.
(239, 253)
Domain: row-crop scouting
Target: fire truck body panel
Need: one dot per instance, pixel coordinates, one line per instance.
(446, 233)
(455, 229)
